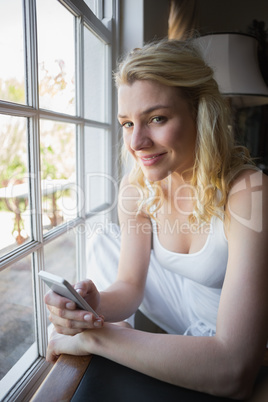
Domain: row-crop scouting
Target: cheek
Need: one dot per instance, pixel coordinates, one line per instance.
(182, 137)
(172, 139)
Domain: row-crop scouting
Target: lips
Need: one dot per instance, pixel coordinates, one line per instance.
(149, 160)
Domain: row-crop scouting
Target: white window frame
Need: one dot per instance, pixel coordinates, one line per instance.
(19, 385)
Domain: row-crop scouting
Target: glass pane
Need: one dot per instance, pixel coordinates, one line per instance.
(60, 256)
(15, 226)
(95, 67)
(56, 56)
(11, 49)
(96, 176)
(17, 327)
(59, 191)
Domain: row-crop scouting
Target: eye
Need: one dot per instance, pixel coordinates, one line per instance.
(127, 124)
(158, 119)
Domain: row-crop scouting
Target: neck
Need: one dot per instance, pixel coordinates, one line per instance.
(176, 184)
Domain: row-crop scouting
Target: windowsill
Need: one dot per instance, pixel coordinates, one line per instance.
(63, 379)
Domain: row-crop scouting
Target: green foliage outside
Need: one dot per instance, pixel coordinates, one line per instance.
(57, 142)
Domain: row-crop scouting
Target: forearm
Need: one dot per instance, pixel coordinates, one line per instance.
(198, 363)
(120, 301)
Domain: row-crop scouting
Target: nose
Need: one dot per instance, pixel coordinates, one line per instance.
(140, 138)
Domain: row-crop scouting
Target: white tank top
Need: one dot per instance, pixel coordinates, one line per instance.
(206, 267)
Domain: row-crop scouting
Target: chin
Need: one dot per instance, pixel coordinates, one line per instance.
(153, 177)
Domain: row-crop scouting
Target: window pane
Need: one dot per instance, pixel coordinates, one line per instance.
(17, 328)
(97, 179)
(11, 49)
(57, 147)
(56, 57)
(95, 67)
(15, 226)
(60, 257)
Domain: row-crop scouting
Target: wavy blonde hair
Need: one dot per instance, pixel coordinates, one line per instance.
(217, 159)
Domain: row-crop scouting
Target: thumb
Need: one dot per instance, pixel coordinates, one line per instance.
(84, 287)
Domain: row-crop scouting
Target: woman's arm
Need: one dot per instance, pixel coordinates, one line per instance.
(123, 297)
(226, 364)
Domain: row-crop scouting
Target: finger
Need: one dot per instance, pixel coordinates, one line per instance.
(76, 315)
(58, 321)
(53, 299)
(67, 331)
(85, 287)
(51, 355)
(81, 316)
(74, 320)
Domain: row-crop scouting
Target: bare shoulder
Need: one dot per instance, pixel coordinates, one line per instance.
(248, 198)
(128, 201)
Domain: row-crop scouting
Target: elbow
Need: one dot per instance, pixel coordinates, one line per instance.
(241, 388)
(237, 382)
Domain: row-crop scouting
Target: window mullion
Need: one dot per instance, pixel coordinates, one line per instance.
(31, 53)
(115, 137)
(79, 43)
(80, 233)
(108, 111)
(80, 141)
(33, 127)
(35, 174)
(38, 257)
(41, 316)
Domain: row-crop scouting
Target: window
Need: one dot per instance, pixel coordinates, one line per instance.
(56, 119)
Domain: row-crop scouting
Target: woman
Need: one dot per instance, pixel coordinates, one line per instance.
(198, 201)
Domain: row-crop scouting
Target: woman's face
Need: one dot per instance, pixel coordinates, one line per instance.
(158, 128)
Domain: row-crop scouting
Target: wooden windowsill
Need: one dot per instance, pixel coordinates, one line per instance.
(63, 379)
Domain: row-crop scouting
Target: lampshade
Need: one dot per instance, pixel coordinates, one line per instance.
(234, 59)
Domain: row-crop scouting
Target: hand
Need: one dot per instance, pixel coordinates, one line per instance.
(59, 344)
(65, 316)
(85, 343)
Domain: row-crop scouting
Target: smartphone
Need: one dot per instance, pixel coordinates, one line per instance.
(63, 288)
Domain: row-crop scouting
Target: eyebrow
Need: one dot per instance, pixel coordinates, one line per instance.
(149, 110)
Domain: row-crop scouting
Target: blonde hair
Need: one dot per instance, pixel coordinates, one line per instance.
(217, 159)
(183, 19)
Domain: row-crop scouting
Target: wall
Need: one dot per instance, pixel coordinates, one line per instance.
(142, 21)
(145, 20)
(155, 19)
(131, 27)
(231, 15)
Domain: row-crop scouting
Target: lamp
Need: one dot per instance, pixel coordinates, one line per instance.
(234, 59)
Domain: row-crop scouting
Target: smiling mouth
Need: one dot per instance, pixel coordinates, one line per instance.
(148, 158)
(151, 157)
